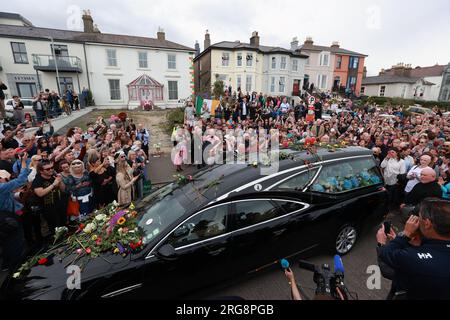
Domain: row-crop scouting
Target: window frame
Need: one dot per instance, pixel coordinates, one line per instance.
(116, 89)
(238, 83)
(228, 230)
(235, 229)
(272, 84)
(109, 59)
(169, 55)
(295, 63)
(239, 59)
(248, 76)
(141, 60)
(345, 192)
(338, 62)
(274, 63)
(322, 59)
(384, 91)
(20, 53)
(247, 64)
(282, 84)
(225, 57)
(168, 89)
(283, 65)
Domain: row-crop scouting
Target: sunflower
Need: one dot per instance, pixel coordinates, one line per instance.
(121, 221)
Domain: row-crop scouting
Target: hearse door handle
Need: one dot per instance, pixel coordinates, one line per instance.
(279, 232)
(216, 252)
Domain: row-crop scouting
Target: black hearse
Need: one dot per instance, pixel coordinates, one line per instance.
(230, 221)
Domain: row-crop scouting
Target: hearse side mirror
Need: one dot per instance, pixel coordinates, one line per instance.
(167, 251)
(181, 231)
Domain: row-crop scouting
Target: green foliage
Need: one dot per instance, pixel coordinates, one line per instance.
(218, 89)
(174, 117)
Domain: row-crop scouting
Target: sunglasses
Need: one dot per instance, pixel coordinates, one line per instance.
(77, 163)
(47, 169)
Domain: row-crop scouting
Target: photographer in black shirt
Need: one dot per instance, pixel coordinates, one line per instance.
(421, 271)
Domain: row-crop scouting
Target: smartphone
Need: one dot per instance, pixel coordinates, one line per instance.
(387, 227)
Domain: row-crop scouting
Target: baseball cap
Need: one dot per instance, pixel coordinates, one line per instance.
(19, 150)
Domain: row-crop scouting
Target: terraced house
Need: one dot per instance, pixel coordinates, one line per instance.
(120, 70)
(252, 67)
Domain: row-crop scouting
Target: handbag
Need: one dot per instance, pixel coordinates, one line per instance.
(73, 208)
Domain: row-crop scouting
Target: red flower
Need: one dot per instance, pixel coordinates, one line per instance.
(98, 241)
(88, 251)
(42, 261)
(81, 226)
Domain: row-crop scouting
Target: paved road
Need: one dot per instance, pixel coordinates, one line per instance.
(272, 284)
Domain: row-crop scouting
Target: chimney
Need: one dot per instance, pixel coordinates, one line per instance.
(382, 72)
(254, 40)
(402, 70)
(88, 22)
(96, 29)
(294, 44)
(161, 34)
(197, 48)
(335, 44)
(309, 41)
(207, 41)
(365, 72)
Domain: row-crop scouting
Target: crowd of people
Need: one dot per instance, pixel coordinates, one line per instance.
(50, 180)
(412, 150)
(46, 105)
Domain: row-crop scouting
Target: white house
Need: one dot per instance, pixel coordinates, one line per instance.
(157, 69)
(402, 81)
(249, 66)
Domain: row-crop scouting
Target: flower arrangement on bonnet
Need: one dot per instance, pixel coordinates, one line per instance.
(110, 229)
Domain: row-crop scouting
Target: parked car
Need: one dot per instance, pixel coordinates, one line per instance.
(228, 222)
(27, 103)
(419, 110)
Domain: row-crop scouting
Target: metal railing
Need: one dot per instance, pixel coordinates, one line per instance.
(64, 63)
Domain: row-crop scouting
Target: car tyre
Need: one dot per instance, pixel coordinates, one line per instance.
(345, 239)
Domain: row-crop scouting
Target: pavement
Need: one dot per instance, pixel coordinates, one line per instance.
(63, 120)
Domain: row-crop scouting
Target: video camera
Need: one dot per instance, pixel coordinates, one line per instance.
(330, 285)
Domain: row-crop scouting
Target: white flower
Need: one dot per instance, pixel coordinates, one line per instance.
(90, 227)
(16, 275)
(101, 217)
(120, 230)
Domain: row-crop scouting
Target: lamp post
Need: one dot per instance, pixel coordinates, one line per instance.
(56, 64)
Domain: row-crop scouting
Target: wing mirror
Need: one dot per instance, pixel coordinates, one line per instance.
(181, 231)
(167, 251)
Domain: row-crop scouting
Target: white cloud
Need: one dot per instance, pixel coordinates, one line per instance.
(388, 31)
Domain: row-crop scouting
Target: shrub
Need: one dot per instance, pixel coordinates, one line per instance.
(174, 117)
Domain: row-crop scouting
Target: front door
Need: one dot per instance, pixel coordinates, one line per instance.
(145, 95)
(296, 87)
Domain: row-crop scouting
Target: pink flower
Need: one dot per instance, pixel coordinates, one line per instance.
(88, 250)
(79, 251)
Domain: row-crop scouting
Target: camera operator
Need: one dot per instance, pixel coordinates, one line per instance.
(11, 232)
(421, 271)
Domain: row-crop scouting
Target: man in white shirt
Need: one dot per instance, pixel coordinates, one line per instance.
(244, 109)
(413, 175)
(285, 107)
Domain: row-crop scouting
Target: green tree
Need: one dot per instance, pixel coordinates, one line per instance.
(218, 89)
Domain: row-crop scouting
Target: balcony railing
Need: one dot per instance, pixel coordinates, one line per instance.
(46, 62)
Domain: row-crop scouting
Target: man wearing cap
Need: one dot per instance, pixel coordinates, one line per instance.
(11, 232)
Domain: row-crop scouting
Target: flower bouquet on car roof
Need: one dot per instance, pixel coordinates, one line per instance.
(110, 229)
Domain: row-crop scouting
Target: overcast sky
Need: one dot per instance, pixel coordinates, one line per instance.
(389, 31)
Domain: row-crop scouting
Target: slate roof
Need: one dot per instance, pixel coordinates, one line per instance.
(83, 37)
